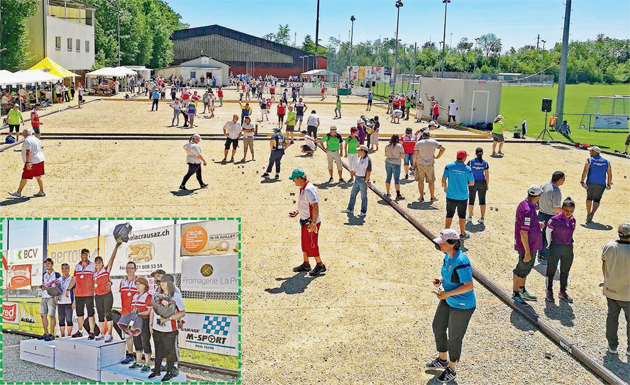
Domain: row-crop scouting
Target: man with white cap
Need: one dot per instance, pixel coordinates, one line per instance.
(194, 160)
(334, 149)
(598, 175)
(616, 268)
(498, 128)
(278, 144)
(528, 241)
(33, 158)
(362, 171)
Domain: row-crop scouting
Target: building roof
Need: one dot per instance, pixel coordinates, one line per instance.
(71, 4)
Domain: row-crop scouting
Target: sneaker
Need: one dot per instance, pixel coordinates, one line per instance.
(303, 267)
(51, 337)
(203, 185)
(16, 194)
(127, 360)
(494, 154)
(40, 194)
(43, 337)
(183, 188)
(168, 376)
(518, 299)
(108, 338)
(433, 199)
(406, 176)
(464, 236)
(612, 350)
(528, 297)
(135, 366)
(437, 364)
(481, 221)
(145, 368)
(175, 371)
(154, 374)
(99, 337)
(78, 334)
(277, 176)
(361, 215)
(341, 180)
(265, 175)
(589, 217)
(330, 180)
(469, 219)
(91, 336)
(549, 297)
(542, 259)
(447, 376)
(347, 211)
(317, 270)
(400, 197)
(565, 297)
(501, 154)
(421, 199)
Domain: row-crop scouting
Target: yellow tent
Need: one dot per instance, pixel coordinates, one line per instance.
(52, 67)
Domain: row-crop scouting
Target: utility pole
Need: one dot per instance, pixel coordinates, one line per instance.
(537, 42)
(562, 77)
(352, 19)
(399, 4)
(415, 58)
(317, 29)
(118, 13)
(444, 38)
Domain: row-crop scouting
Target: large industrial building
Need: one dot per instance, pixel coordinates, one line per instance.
(242, 52)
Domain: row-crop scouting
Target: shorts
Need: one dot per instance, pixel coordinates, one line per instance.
(351, 159)
(280, 116)
(290, 128)
(455, 204)
(435, 116)
(397, 113)
(48, 306)
(221, 100)
(594, 192)
(334, 156)
(81, 98)
(248, 142)
(478, 187)
(15, 127)
(628, 140)
(523, 269)
(408, 159)
(451, 117)
(497, 137)
(369, 103)
(232, 142)
(81, 303)
(142, 342)
(65, 314)
(104, 303)
(36, 130)
(35, 171)
(310, 241)
(425, 173)
(299, 118)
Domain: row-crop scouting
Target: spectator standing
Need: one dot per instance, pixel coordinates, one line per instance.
(376, 127)
(550, 204)
(35, 123)
(598, 175)
(338, 108)
(370, 98)
(14, 120)
(498, 128)
(394, 152)
(409, 143)
(176, 106)
(291, 123)
(333, 152)
(278, 144)
(352, 152)
(452, 111)
(363, 170)
(156, 99)
(424, 162)
(300, 107)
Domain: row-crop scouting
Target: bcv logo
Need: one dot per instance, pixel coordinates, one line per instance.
(27, 254)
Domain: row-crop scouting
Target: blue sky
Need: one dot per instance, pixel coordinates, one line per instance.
(517, 23)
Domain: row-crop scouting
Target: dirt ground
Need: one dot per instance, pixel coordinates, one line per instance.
(368, 320)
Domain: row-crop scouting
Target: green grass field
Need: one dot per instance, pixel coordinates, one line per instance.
(518, 103)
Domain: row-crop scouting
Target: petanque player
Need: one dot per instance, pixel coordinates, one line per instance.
(194, 160)
(333, 152)
(481, 173)
(278, 144)
(300, 107)
(456, 307)
(615, 267)
(264, 112)
(352, 152)
(310, 222)
(176, 106)
(84, 277)
(362, 172)
(309, 145)
(142, 304)
(312, 123)
(48, 306)
(409, 143)
(156, 99)
(338, 108)
(394, 152)
(549, 205)
(232, 130)
(66, 301)
(559, 237)
(291, 123)
(14, 119)
(35, 123)
(498, 129)
(528, 241)
(33, 158)
(598, 175)
(456, 180)
(248, 137)
(103, 297)
(370, 97)
(127, 291)
(246, 110)
(280, 112)
(424, 162)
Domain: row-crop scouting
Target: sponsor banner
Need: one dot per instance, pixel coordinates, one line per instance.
(19, 277)
(25, 255)
(10, 313)
(379, 73)
(210, 274)
(209, 238)
(210, 333)
(369, 73)
(37, 274)
(30, 320)
(70, 252)
(610, 122)
(149, 249)
(361, 72)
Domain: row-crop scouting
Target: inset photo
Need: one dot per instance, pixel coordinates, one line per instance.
(121, 300)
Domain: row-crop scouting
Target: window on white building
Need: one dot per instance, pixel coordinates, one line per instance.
(58, 43)
(78, 45)
(69, 44)
(193, 74)
(87, 46)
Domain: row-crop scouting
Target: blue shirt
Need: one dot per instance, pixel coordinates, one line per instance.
(597, 169)
(478, 167)
(370, 96)
(459, 175)
(455, 272)
(156, 95)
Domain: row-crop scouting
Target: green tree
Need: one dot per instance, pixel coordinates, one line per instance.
(14, 32)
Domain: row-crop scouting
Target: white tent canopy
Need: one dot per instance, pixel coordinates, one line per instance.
(27, 77)
(109, 72)
(321, 72)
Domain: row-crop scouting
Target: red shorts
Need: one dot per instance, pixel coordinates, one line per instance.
(36, 170)
(310, 244)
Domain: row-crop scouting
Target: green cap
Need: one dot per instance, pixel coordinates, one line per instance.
(297, 173)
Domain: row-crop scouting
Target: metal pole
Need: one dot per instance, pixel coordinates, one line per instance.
(317, 29)
(352, 19)
(398, 5)
(562, 77)
(118, 12)
(45, 239)
(413, 77)
(444, 38)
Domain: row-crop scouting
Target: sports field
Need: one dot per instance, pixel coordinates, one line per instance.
(368, 320)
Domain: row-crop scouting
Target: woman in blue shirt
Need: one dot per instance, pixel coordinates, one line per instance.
(457, 305)
(482, 179)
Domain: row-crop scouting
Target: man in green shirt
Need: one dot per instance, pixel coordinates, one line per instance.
(290, 123)
(333, 151)
(407, 106)
(14, 119)
(338, 108)
(497, 135)
(352, 152)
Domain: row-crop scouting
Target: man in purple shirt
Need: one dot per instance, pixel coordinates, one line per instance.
(528, 240)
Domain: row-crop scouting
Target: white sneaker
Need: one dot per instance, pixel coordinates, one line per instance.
(346, 211)
(469, 219)
(481, 221)
(99, 337)
(16, 194)
(361, 215)
(108, 338)
(612, 351)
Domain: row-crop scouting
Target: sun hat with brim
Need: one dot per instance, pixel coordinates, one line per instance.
(624, 230)
(297, 173)
(499, 117)
(360, 121)
(534, 190)
(446, 235)
(333, 128)
(363, 147)
(197, 136)
(596, 149)
(432, 123)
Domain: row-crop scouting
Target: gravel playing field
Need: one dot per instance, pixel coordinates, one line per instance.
(368, 320)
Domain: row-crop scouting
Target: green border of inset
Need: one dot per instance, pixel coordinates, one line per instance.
(2, 219)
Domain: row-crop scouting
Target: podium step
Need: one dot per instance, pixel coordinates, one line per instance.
(86, 358)
(38, 352)
(122, 373)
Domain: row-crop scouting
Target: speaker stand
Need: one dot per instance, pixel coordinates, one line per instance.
(544, 131)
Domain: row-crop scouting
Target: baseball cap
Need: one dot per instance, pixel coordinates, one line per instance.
(363, 147)
(16, 105)
(297, 173)
(534, 190)
(624, 230)
(197, 136)
(596, 149)
(446, 235)
(479, 151)
(277, 129)
(360, 121)
(461, 154)
(432, 123)
(158, 271)
(499, 117)
(167, 278)
(333, 128)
